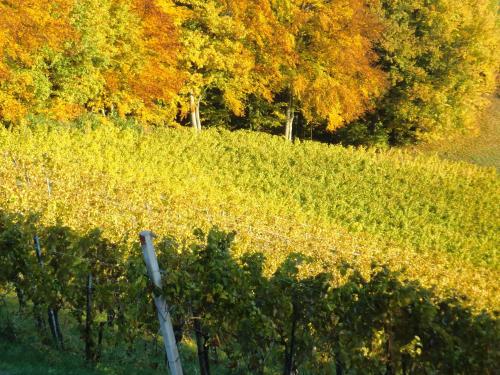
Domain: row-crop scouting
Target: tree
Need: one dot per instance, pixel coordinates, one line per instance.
(124, 61)
(157, 80)
(319, 55)
(29, 30)
(441, 57)
(214, 56)
(64, 58)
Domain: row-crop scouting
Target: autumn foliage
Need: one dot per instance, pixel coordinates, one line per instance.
(23, 37)
(393, 71)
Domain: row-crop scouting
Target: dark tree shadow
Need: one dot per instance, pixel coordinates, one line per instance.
(238, 317)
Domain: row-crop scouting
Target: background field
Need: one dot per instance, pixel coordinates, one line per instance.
(436, 219)
(481, 148)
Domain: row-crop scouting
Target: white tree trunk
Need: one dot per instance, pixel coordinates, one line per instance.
(198, 120)
(290, 112)
(195, 112)
(194, 123)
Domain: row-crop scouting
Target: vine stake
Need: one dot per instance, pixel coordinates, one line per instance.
(167, 331)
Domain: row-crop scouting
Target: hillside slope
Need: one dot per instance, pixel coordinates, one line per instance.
(438, 220)
(482, 148)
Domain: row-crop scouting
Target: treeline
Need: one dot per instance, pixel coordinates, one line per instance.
(358, 71)
(250, 322)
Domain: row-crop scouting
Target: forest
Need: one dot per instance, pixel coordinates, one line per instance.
(362, 72)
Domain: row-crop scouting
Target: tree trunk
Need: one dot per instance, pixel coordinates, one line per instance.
(290, 113)
(52, 326)
(194, 121)
(58, 329)
(195, 112)
(20, 298)
(55, 329)
(89, 342)
(215, 355)
(289, 354)
(390, 370)
(111, 318)
(99, 341)
(198, 120)
(202, 350)
(206, 354)
(405, 364)
(339, 370)
(37, 313)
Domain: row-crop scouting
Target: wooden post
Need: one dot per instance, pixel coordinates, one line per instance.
(167, 331)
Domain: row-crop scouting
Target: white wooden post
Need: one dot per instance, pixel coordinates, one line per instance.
(167, 331)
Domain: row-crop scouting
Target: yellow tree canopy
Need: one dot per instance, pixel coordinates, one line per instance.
(333, 72)
(25, 27)
(65, 57)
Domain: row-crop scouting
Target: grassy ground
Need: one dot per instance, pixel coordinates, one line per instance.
(26, 351)
(482, 148)
(21, 358)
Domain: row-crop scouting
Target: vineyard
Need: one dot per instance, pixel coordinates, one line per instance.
(322, 258)
(147, 199)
